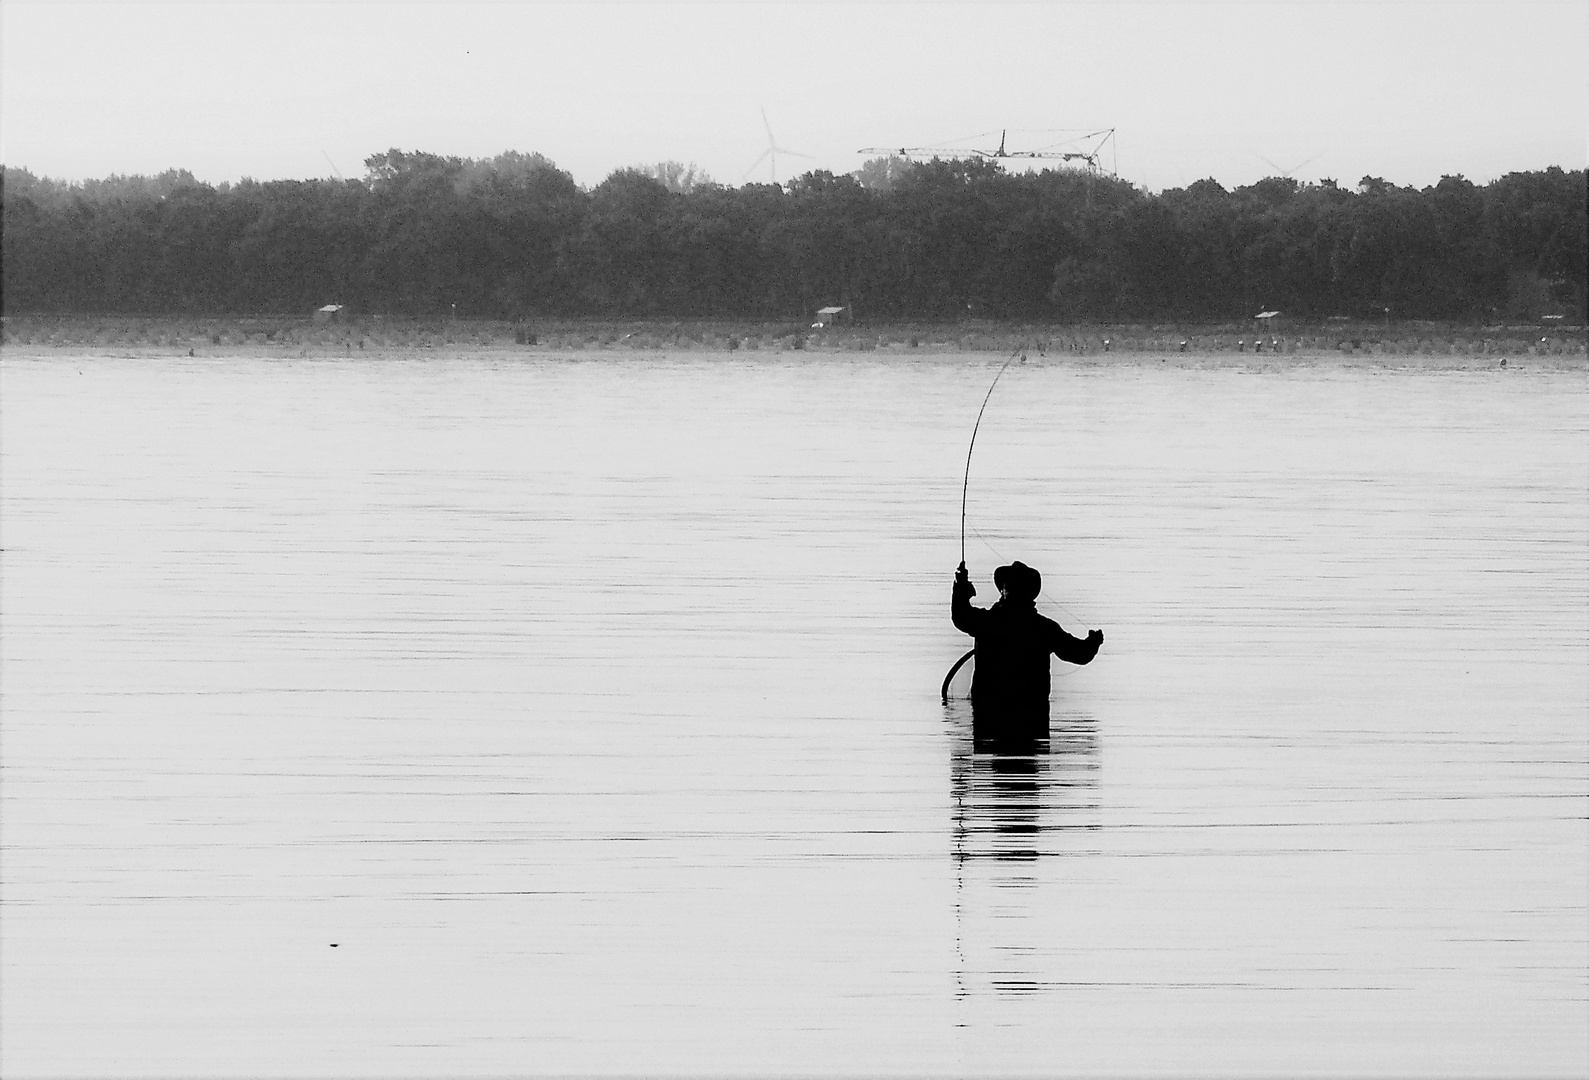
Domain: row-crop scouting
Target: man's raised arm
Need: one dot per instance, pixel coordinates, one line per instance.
(966, 618)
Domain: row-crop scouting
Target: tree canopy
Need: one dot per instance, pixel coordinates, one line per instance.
(514, 236)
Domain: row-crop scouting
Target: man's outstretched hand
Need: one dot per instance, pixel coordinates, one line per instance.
(963, 580)
(1095, 635)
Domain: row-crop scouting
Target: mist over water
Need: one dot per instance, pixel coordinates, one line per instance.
(479, 714)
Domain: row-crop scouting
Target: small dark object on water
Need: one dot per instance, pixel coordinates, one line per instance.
(1503, 361)
(333, 944)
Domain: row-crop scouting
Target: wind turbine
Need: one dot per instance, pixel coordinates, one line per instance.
(770, 155)
(1287, 172)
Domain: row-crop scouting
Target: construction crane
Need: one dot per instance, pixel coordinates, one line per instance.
(1090, 151)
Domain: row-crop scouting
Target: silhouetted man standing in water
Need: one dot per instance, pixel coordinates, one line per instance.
(1009, 689)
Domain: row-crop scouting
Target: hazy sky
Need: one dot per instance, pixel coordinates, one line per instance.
(1407, 91)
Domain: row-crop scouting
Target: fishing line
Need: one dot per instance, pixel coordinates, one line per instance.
(1018, 354)
(1043, 603)
(965, 488)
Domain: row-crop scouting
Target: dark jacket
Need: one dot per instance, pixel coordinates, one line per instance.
(1014, 643)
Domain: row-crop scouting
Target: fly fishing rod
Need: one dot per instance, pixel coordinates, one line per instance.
(966, 485)
(965, 488)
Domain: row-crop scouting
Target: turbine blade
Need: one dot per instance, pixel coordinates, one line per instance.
(756, 163)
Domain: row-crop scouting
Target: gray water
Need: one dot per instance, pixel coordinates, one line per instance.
(478, 714)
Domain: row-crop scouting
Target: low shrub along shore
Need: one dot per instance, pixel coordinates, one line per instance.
(219, 336)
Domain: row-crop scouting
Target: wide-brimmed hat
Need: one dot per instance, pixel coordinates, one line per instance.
(1019, 580)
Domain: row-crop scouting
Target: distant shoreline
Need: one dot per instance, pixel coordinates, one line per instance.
(291, 334)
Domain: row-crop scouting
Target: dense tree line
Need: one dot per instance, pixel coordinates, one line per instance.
(514, 236)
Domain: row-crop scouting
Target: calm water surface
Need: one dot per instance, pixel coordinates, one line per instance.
(473, 714)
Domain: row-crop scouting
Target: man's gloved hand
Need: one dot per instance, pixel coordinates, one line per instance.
(1095, 635)
(963, 580)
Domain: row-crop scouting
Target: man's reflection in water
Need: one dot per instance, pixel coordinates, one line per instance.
(1011, 790)
(1016, 801)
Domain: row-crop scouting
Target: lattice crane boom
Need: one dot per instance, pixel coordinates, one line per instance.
(1046, 153)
